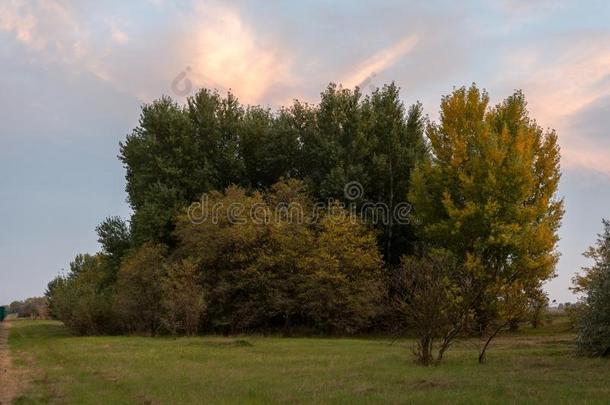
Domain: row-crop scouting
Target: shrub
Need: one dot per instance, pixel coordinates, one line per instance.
(593, 323)
(429, 297)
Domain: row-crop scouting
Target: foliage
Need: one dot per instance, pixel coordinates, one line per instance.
(139, 292)
(81, 299)
(183, 299)
(282, 271)
(396, 144)
(342, 288)
(115, 238)
(539, 303)
(274, 245)
(179, 152)
(600, 254)
(512, 304)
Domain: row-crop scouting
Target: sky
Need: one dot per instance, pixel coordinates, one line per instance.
(74, 75)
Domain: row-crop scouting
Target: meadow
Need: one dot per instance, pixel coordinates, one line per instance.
(531, 366)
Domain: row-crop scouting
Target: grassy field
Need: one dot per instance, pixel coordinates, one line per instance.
(533, 366)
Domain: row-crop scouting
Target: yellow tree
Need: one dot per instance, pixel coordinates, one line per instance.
(488, 195)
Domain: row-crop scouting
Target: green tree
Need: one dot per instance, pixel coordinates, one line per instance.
(270, 265)
(81, 299)
(396, 144)
(600, 254)
(217, 125)
(226, 245)
(162, 166)
(115, 238)
(269, 146)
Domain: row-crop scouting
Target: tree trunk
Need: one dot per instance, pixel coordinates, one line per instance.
(484, 350)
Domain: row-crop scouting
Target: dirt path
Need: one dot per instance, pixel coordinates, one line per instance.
(11, 380)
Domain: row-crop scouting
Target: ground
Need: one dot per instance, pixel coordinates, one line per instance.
(531, 366)
(12, 379)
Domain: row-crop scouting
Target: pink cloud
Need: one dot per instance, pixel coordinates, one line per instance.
(561, 85)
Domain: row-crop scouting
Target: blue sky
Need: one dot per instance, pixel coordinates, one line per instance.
(75, 73)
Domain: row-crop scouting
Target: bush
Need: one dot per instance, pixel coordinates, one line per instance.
(593, 323)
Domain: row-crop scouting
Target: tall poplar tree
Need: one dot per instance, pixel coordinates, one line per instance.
(396, 144)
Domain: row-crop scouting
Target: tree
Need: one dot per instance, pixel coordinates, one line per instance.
(511, 304)
(342, 289)
(217, 126)
(593, 312)
(183, 299)
(176, 153)
(269, 146)
(162, 166)
(33, 307)
(488, 195)
(139, 291)
(115, 238)
(226, 244)
(396, 143)
(290, 239)
(332, 142)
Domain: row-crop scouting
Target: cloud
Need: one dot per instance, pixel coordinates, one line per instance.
(45, 26)
(227, 54)
(380, 61)
(118, 35)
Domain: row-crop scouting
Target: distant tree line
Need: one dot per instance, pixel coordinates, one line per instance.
(479, 242)
(34, 307)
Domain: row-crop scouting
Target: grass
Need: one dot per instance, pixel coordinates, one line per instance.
(532, 367)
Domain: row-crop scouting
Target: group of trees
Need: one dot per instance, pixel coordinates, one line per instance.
(237, 274)
(177, 153)
(480, 242)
